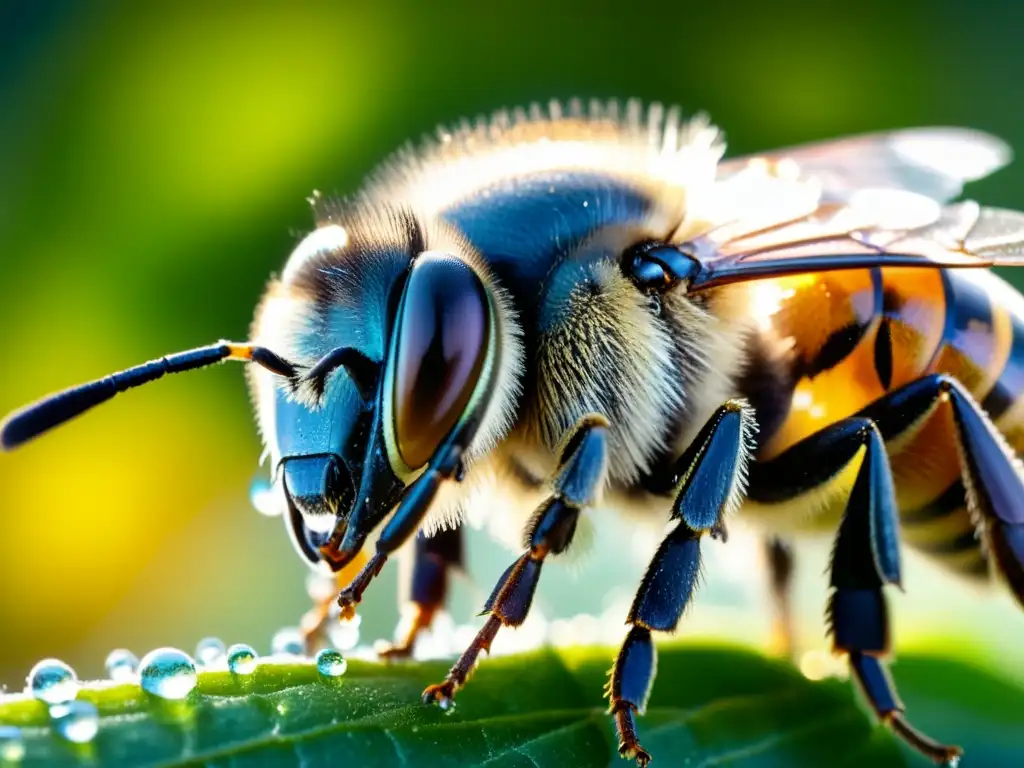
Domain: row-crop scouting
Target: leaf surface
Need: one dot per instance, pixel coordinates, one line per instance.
(711, 707)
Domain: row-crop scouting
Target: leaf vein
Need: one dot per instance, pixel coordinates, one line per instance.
(780, 737)
(402, 759)
(590, 718)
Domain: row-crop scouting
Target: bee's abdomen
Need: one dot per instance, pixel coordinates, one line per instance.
(983, 346)
(898, 325)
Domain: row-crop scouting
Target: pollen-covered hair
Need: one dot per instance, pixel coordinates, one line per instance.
(335, 291)
(651, 146)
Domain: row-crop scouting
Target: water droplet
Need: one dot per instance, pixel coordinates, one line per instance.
(320, 587)
(52, 681)
(242, 660)
(814, 665)
(287, 641)
(265, 498)
(364, 653)
(447, 706)
(12, 744)
(344, 635)
(76, 721)
(167, 673)
(585, 628)
(330, 663)
(121, 665)
(210, 651)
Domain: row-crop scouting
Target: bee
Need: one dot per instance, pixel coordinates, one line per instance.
(573, 307)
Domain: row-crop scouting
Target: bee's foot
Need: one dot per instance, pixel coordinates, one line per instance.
(719, 532)
(633, 751)
(442, 694)
(947, 756)
(347, 602)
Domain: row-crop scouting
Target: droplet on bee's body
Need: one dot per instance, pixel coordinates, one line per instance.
(167, 673)
(76, 721)
(287, 641)
(330, 663)
(12, 744)
(210, 651)
(242, 659)
(121, 665)
(52, 681)
(264, 498)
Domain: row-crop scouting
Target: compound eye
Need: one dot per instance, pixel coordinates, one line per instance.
(443, 336)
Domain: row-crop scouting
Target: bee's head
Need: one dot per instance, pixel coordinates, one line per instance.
(405, 344)
(384, 349)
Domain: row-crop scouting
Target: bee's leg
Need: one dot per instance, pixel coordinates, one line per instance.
(779, 554)
(708, 482)
(577, 485)
(865, 556)
(445, 466)
(313, 624)
(433, 559)
(990, 471)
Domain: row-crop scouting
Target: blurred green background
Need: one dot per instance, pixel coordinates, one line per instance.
(154, 164)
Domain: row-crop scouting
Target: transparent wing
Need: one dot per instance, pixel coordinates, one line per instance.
(880, 227)
(935, 162)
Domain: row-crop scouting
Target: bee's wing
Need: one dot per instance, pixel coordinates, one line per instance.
(935, 162)
(879, 227)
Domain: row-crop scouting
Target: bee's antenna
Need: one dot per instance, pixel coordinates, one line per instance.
(362, 369)
(32, 420)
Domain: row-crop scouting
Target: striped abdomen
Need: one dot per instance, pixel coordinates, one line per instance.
(847, 338)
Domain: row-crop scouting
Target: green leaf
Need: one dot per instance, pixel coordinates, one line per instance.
(711, 707)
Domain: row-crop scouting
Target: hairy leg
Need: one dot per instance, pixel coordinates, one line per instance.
(434, 559)
(708, 482)
(779, 555)
(865, 556)
(577, 485)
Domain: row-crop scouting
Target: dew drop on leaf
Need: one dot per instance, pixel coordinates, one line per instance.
(330, 663)
(210, 651)
(287, 641)
(447, 706)
(167, 673)
(242, 659)
(52, 681)
(12, 744)
(76, 721)
(121, 665)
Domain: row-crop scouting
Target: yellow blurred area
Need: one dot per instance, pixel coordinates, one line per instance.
(234, 104)
(172, 127)
(154, 164)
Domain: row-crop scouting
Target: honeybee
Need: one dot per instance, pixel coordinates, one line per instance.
(576, 306)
